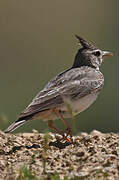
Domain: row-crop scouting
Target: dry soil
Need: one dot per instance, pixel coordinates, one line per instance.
(90, 156)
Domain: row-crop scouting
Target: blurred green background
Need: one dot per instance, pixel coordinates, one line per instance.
(37, 42)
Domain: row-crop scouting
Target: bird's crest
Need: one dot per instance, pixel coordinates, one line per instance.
(84, 43)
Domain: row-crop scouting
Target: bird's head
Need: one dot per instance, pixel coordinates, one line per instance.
(89, 55)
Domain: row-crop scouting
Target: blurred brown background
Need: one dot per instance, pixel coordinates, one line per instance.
(37, 42)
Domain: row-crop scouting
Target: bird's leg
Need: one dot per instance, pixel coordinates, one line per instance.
(50, 124)
(68, 130)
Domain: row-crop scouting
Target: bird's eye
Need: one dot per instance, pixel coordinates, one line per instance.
(97, 53)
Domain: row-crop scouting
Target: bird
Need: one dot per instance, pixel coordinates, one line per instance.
(78, 86)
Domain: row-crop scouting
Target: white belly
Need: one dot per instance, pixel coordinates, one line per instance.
(78, 106)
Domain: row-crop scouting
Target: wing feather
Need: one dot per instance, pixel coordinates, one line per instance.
(73, 83)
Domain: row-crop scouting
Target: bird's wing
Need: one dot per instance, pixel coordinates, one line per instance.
(71, 84)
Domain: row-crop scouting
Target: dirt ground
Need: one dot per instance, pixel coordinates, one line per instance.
(91, 156)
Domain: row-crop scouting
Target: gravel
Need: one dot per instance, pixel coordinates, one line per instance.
(91, 156)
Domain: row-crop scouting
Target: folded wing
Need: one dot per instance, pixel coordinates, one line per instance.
(73, 83)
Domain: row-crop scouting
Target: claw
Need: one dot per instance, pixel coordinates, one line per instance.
(69, 139)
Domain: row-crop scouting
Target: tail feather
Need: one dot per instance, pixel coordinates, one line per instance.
(19, 122)
(15, 125)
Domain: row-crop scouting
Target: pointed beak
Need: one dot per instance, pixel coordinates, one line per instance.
(107, 53)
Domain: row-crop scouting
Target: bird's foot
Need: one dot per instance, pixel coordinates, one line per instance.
(68, 132)
(65, 136)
